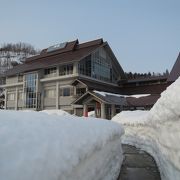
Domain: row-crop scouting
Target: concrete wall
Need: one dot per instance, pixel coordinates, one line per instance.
(11, 80)
(63, 102)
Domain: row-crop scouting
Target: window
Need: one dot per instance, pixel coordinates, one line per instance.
(66, 91)
(11, 97)
(66, 70)
(85, 66)
(50, 72)
(50, 93)
(97, 65)
(30, 90)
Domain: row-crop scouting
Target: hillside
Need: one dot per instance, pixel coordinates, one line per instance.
(13, 54)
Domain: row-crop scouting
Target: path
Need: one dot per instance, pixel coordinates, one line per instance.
(138, 165)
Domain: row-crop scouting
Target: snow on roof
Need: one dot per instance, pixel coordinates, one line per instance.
(138, 95)
(106, 93)
(120, 95)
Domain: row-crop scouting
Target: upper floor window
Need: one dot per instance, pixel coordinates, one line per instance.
(66, 69)
(50, 71)
(2, 81)
(97, 65)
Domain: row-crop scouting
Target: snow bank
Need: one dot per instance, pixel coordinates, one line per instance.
(34, 145)
(91, 114)
(131, 117)
(57, 112)
(159, 132)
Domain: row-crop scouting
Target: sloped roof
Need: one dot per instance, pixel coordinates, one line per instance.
(175, 72)
(108, 99)
(97, 85)
(142, 101)
(112, 99)
(144, 89)
(72, 52)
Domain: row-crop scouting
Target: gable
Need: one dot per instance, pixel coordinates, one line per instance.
(175, 72)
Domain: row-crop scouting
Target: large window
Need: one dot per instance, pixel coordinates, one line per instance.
(30, 90)
(97, 65)
(50, 72)
(85, 66)
(101, 66)
(66, 69)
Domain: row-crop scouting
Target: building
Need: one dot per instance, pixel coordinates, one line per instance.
(60, 74)
(78, 78)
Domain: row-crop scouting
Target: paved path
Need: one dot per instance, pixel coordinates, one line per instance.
(138, 165)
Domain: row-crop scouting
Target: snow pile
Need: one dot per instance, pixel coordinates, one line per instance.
(91, 114)
(58, 112)
(159, 133)
(34, 145)
(131, 117)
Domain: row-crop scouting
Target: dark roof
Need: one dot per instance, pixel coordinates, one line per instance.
(148, 79)
(112, 99)
(144, 89)
(97, 85)
(108, 99)
(72, 52)
(175, 72)
(142, 101)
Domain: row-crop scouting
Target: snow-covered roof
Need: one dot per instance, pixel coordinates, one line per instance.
(120, 95)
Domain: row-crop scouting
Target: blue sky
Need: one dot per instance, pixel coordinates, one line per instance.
(144, 34)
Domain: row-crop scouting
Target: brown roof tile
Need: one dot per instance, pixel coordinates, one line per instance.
(99, 86)
(142, 101)
(69, 54)
(144, 89)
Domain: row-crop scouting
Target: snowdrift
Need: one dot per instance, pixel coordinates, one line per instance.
(38, 146)
(58, 112)
(157, 131)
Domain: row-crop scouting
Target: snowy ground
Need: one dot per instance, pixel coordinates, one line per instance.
(157, 131)
(51, 145)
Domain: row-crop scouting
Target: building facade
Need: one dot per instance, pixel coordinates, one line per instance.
(70, 76)
(60, 74)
